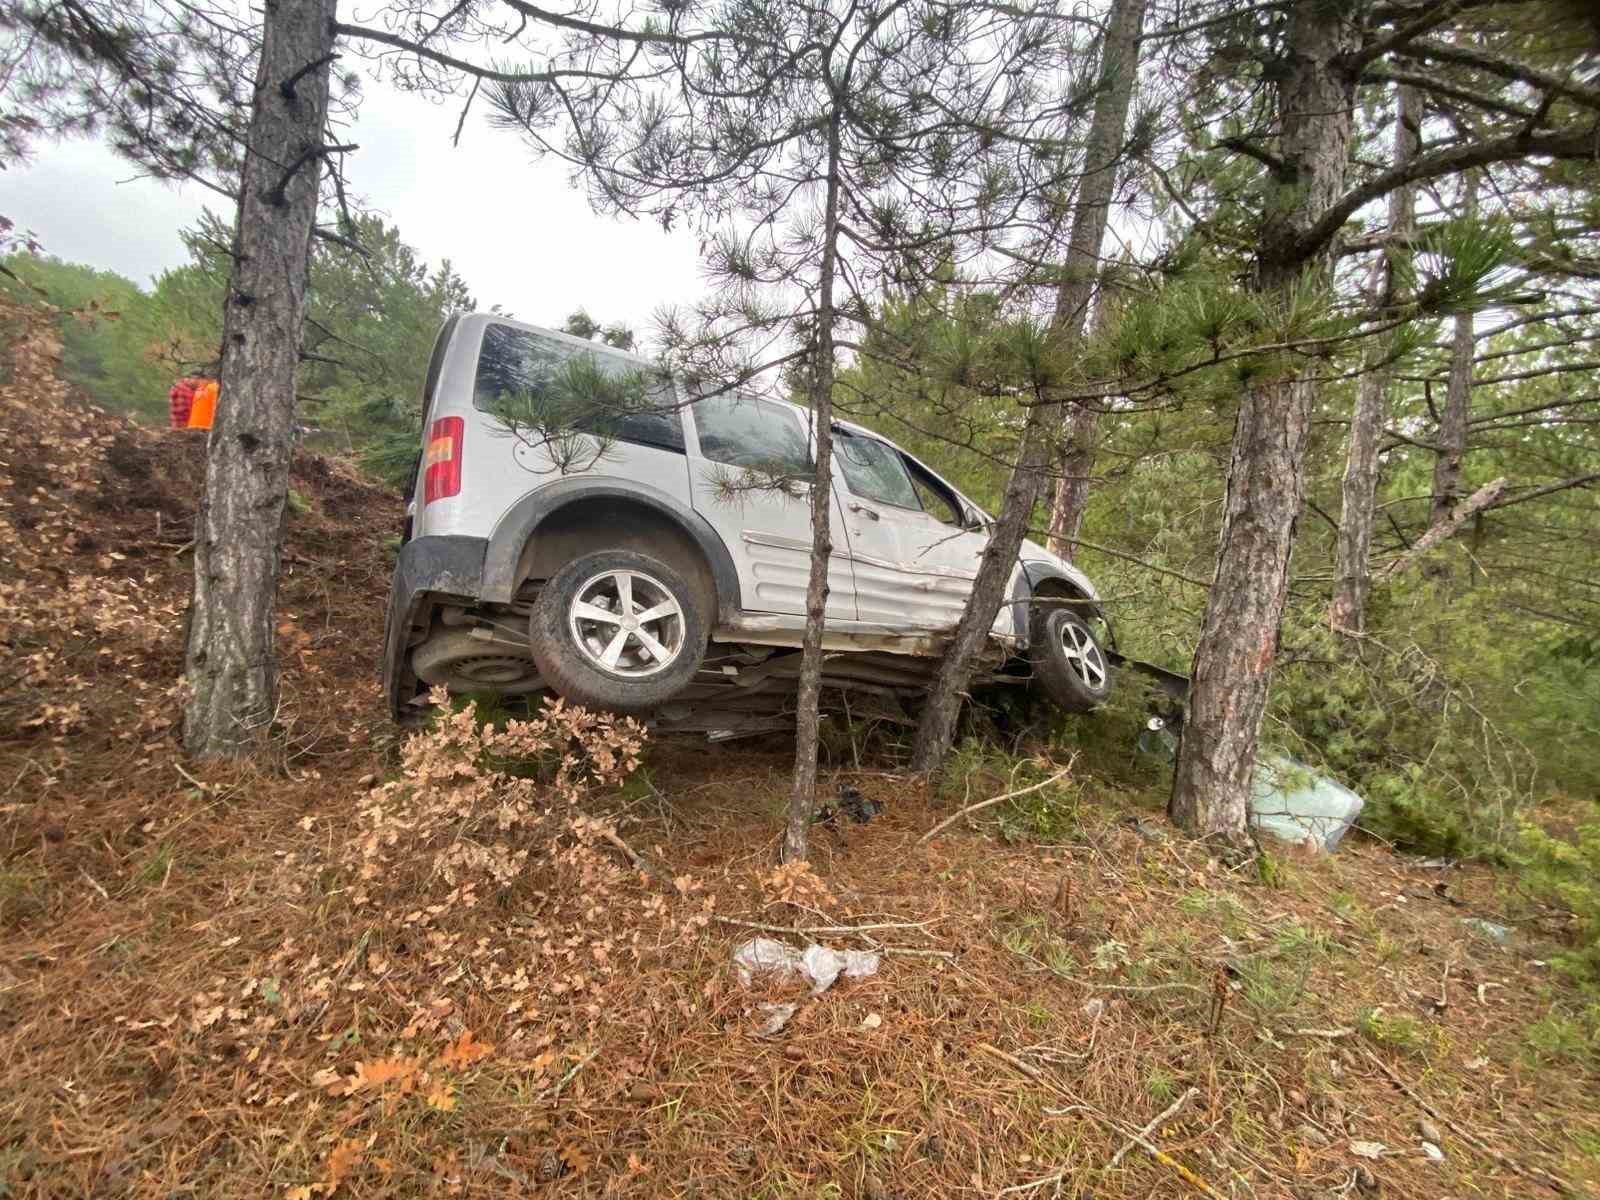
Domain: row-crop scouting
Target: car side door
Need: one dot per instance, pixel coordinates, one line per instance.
(913, 560)
(750, 470)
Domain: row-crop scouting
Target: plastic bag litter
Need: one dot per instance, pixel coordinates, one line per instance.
(818, 964)
(1500, 934)
(1294, 803)
(777, 1017)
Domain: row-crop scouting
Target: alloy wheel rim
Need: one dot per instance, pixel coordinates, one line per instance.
(627, 623)
(1083, 656)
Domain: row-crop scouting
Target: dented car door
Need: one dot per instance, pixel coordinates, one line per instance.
(743, 444)
(912, 568)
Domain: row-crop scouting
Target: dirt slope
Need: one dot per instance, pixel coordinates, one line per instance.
(204, 992)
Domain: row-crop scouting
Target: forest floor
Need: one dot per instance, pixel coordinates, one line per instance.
(194, 1003)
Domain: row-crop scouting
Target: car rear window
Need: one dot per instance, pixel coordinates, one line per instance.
(515, 363)
(745, 432)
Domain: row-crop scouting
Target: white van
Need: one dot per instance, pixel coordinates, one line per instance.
(626, 568)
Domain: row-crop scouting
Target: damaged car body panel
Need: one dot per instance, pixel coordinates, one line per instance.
(651, 556)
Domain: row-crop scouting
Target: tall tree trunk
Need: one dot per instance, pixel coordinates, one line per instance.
(1079, 435)
(1238, 640)
(1352, 567)
(1118, 68)
(231, 664)
(803, 787)
(1452, 436)
(937, 726)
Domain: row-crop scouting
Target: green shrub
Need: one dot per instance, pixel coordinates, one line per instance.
(1568, 872)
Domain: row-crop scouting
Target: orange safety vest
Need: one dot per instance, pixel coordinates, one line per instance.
(204, 409)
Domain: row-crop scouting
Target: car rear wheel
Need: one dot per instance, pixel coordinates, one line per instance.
(1069, 662)
(618, 630)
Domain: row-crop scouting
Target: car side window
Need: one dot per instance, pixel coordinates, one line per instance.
(518, 362)
(745, 432)
(937, 500)
(875, 471)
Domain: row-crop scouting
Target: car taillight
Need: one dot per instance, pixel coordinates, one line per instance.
(441, 461)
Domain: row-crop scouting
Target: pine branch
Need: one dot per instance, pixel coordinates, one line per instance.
(1431, 17)
(1505, 68)
(278, 196)
(286, 88)
(1481, 499)
(1261, 154)
(1575, 144)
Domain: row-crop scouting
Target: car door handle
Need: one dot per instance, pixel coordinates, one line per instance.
(864, 510)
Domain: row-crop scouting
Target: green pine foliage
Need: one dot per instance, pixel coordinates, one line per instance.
(372, 323)
(110, 334)
(1566, 869)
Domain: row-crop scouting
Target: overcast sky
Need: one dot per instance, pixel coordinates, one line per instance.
(519, 234)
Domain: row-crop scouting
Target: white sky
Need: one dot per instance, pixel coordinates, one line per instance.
(519, 234)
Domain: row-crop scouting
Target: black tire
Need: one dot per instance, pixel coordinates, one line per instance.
(570, 649)
(1070, 680)
(464, 664)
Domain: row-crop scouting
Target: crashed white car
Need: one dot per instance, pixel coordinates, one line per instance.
(626, 569)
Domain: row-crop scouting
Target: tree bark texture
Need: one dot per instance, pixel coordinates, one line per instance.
(1079, 435)
(1352, 567)
(803, 787)
(231, 664)
(1119, 70)
(937, 726)
(1238, 641)
(1452, 436)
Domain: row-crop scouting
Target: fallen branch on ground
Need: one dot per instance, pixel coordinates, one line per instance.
(1149, 1129)
(823, 929)
(1138, 1139)
(1537, 1174)
(611, 836)
(989, 803)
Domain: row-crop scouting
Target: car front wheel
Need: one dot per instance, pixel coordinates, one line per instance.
(618, 631)
(1069, 662)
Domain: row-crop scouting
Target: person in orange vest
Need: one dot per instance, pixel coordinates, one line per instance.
(203, 410)
(180, 400)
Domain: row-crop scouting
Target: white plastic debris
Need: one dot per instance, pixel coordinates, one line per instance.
(1093, 1007)
(818, 964)
(1372, 1150)
(1433, 1152)
(871, 1021)
(1296, 804)
(777, 1017)
(1500, 934)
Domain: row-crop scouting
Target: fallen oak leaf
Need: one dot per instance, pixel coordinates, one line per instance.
(464, 1051)
(344, 1158)
(380, 1072)
(573, 1160)
(328, 1080)
(443, 1098)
